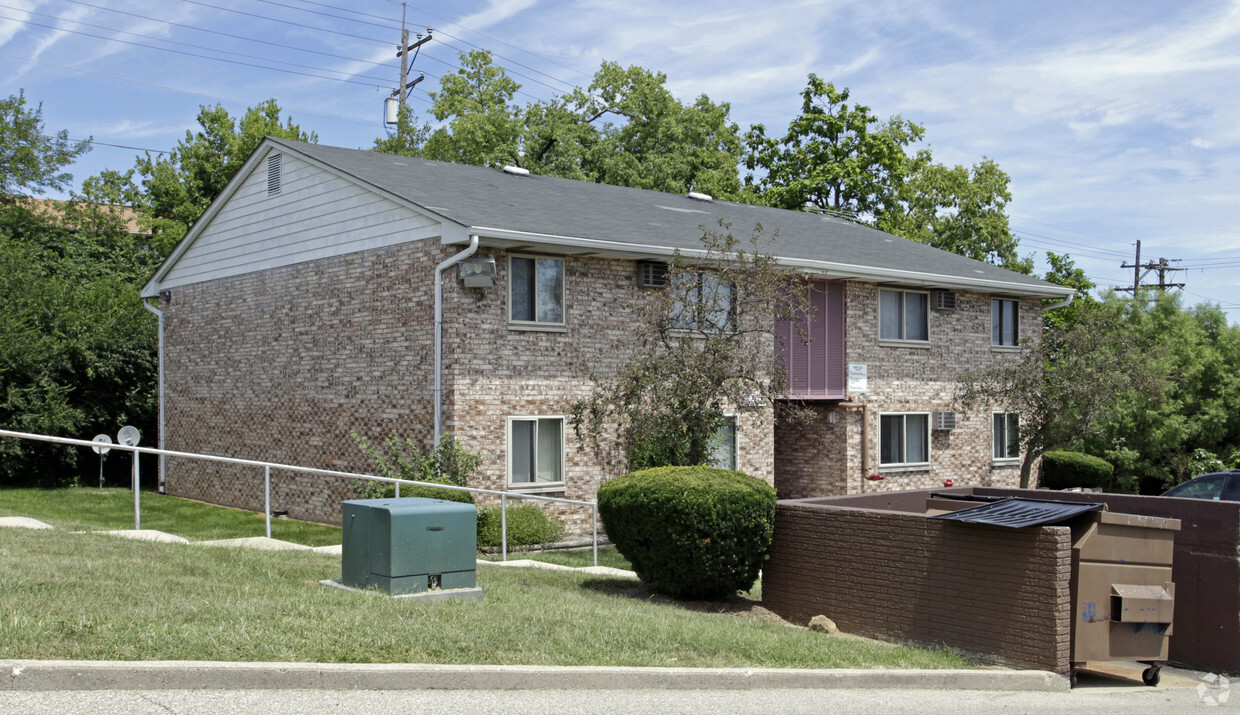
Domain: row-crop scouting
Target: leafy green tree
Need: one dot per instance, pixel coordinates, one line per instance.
(77, 350)
(957, 209)
(31, 161)
(1161, 434)
(704, 345)
(834, 157)
(172, 192)
(625, 129)
(1062, 270)
(1068, 384)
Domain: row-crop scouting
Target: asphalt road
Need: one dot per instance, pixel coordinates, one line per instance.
(1088, 698)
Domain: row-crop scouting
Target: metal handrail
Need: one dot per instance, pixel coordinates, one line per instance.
(268, 466)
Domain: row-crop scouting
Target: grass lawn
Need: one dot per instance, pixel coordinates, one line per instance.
(89, 596)
(577, 558)
(86, 509)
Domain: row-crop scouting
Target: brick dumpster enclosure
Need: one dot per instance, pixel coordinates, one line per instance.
(1001, 595)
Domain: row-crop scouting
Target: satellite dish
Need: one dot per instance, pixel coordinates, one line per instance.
(102, 439)
(129, 436)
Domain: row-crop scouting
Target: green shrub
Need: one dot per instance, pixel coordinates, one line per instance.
(527, 526)
(690, 532)
(1062, 470)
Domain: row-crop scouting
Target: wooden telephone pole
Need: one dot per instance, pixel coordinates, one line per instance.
(402, 51)
(1137, 276)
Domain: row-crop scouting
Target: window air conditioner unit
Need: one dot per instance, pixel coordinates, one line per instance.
(945, 420)
(944, 300)
(651, 274)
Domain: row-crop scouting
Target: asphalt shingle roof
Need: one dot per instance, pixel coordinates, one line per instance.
(480, 198)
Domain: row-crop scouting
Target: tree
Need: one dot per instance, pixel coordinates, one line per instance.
(1063, 271)
(834, 157)
(1066, 385)
(625, 129)
(957, 209)
(703, 344)
(31, 160)
(77, 349)
(173, 191)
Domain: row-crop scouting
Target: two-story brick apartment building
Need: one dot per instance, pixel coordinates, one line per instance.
(302, 306)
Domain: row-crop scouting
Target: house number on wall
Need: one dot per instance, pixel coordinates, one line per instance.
(856, 376)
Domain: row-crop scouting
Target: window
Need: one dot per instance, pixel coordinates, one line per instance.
(904, 440)
(709, 307)
(1006, 435)
(903, 315)
(723, 445)
(1004, 322)
(536, 290)
(535, 451)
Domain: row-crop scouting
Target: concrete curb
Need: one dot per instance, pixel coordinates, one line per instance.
(44, 675)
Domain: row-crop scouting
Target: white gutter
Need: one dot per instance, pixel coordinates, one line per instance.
(473, 246)
(827, 269)
(1061, 304)
(159, 314)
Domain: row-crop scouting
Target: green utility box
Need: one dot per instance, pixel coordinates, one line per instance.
(409, 545)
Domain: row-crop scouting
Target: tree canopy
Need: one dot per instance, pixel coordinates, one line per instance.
(31, 161)
(625, 128)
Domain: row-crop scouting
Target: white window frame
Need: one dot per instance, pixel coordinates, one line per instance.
(996, 304)
(994, 444)
(508, 444)
(538, 324)
(902, 340)
(897, 466)
(734, 419)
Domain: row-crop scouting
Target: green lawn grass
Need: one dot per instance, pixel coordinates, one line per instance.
(86, 509)
(576, 558)
(90, 596)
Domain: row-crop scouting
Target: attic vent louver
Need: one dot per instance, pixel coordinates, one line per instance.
(651, 274)
(700, 196)
(273, 174)
(944, 300)
(945, 420)
(516, 171)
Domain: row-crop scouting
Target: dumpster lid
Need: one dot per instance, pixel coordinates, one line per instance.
(1016, 512)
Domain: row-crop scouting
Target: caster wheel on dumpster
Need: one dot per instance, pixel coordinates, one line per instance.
(1072, 678)
(1150, 676)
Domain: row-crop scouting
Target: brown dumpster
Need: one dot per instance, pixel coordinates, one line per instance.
(1123, 599)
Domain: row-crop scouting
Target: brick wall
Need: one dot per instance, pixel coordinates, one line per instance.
(822, 459)
(280, 365)
(1001, 594)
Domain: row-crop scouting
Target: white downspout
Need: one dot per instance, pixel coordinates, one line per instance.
(159, 314)
(473, 246)
(1060, 304)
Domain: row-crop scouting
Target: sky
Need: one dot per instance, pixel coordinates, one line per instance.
(1116, 121)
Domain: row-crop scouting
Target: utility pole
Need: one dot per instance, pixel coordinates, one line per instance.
(402, 51)
(1162, 266)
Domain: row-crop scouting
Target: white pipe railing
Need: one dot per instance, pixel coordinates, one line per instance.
(268, 466)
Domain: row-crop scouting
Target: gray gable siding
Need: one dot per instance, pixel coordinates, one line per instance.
(316, 214)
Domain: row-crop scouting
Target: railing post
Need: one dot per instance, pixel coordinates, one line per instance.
(594, 518)
(137, 507)
(503, 524)
(267, 497)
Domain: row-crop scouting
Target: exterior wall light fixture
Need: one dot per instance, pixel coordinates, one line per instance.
(477, 272)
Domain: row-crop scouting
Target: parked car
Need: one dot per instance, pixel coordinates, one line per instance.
(1224, 486)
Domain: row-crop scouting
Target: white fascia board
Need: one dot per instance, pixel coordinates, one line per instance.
(825, 269)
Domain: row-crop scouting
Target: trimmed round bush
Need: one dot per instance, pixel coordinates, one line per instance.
(690, 532)
(527, 526)
(1064, 470)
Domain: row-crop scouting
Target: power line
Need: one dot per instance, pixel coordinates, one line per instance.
(95, 142)
(175, 42)
(286, 22)
(194, 54)
(229, 34)
(230, 100)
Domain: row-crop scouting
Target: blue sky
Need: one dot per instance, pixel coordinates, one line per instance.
(1117, 121)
